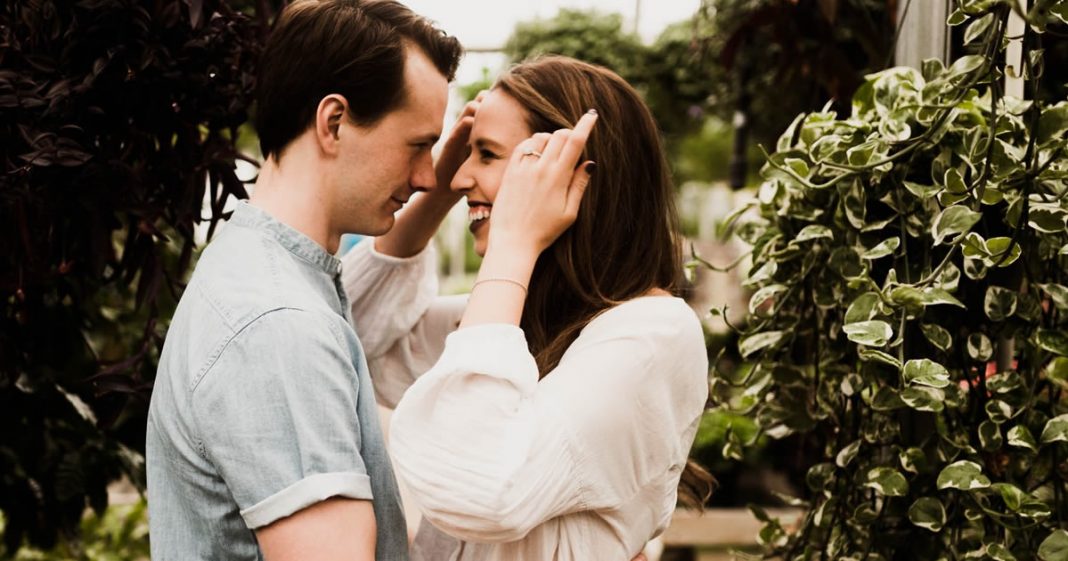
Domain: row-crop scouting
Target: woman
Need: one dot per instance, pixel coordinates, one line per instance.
(555, 420)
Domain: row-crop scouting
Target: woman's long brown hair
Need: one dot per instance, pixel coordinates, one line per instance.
(625, 241)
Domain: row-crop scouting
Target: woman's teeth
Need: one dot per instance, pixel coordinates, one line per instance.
(477, 214)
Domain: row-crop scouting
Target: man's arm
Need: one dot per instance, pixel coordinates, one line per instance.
(334, 529)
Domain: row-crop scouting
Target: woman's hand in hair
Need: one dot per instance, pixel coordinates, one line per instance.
(541, 190)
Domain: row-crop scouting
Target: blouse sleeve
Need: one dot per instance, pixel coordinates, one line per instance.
(397, 314)
(491, 452)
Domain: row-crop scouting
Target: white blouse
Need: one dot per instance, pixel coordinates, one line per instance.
(581, 465)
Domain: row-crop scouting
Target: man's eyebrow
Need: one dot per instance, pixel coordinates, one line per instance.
(429, 138)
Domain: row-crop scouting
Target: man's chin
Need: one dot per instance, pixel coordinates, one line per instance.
(383, 226)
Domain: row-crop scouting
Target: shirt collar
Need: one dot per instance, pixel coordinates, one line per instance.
(295, 242)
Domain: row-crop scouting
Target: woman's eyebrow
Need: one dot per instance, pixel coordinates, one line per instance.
(488, 143)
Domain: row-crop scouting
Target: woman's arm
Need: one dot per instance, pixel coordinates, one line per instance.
(491, 453)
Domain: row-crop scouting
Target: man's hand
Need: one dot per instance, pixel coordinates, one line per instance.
(640, 557)
(456, 149)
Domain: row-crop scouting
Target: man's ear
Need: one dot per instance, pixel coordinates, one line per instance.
(328, 117)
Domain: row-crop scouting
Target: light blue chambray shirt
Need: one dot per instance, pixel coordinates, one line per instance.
(262, 404)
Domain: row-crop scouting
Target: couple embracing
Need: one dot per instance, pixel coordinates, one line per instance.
(547, 415)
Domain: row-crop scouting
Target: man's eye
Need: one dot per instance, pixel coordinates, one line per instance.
(486, 154)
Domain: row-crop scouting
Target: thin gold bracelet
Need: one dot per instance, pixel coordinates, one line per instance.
(499, 279)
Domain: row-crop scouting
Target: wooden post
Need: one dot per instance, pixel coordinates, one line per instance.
(924, 33)
(1014, 65)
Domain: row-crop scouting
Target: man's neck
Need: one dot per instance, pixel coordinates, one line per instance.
(294, 195)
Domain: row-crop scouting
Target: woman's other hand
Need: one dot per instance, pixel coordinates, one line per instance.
(542, 189)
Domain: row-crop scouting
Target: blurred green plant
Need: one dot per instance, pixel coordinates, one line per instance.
(910, 310)
(592, 36)
(120, 533)
(120, 119)
(773, 59)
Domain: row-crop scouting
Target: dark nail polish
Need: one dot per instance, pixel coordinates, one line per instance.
(592, 111)
(590, 168)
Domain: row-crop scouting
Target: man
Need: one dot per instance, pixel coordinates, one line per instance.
(263, 436)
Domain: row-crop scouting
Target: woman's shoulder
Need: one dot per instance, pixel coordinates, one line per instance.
(659, 318)
(657, 308)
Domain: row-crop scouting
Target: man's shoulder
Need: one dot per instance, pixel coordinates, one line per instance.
(245, 275)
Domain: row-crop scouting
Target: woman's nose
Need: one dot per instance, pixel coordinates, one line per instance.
(462, 180)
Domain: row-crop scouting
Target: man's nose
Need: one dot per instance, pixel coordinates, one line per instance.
(422, 178)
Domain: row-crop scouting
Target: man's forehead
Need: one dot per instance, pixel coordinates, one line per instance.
(426, 96)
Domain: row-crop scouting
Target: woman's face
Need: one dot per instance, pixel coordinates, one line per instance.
(500, 125)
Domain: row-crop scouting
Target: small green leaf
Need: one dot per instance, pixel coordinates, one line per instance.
(758, 341)
(1052, 340)
(912, 460)
(964, 67)
(954, 182)
(953, 221)
(846, 455)
(922, 192)
(999, 411)
(1056, 430)
(935, 295)
(1013, 496)
(937, 335)
(888, 482)
(976, 28)
(1057, 293)
(999, 303)
(908, 296)
(872, 355)
(1047, 220)
(1054, 547)
(1020, 437)
(799, 166)
(863, 308)
(874, 333)
(998, 552)
(964, 475)
(763, 295)
(1057, 371)
(886, 399)
(998, 247)
(1053, 123)
(979, 347)
(989, 436)
(925, 372)
(886, 247)
(928, 513)
(924, 398)
(861, 154)
(813, 232)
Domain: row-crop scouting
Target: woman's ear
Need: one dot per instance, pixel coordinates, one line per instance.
(328, 117)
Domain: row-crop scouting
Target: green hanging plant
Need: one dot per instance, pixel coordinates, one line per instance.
(910, 310)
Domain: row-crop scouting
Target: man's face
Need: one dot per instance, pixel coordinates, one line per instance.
(379, 167)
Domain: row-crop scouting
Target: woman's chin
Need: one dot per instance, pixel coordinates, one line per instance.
(480, 248)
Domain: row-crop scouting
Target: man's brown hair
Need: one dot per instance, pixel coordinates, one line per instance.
(354, 48)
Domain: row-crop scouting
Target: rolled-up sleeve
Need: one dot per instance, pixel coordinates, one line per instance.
(278, 446)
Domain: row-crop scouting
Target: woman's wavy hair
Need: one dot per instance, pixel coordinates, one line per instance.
(625, 241)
